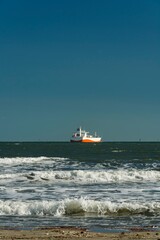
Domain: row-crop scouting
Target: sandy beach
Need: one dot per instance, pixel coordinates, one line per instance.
(73, 233)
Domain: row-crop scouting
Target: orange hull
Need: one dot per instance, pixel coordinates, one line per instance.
(87, 140)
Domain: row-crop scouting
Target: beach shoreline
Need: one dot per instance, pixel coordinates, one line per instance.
(76, 233)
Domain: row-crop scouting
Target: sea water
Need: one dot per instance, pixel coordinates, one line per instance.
(97, 186)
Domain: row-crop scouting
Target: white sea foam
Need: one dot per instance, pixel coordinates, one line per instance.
(28, 160)
(117, 151)
(9, 176)
(111, 176)
(76, 206)
(84, 176)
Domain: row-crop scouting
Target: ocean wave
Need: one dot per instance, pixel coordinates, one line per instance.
(84, 176)
(77, 206)
(118, 151)
(28, 160)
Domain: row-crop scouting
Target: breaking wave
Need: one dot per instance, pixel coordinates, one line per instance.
(84, 176)
(28, 160)
(77, 206)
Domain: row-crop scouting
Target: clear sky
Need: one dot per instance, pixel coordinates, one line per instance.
(65, 63)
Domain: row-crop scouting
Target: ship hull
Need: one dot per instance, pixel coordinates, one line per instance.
(87, 140)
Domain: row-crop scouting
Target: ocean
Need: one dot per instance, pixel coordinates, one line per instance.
(107, 186)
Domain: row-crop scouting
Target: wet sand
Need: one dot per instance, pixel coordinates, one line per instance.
(72, 233)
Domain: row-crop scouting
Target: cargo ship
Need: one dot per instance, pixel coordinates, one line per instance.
(82, 136)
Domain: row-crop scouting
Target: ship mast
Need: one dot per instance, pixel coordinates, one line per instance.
(80, 131)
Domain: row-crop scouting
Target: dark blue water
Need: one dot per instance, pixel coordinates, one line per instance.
(98, 186)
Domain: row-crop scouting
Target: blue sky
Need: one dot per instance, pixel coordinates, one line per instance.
(70, 63)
